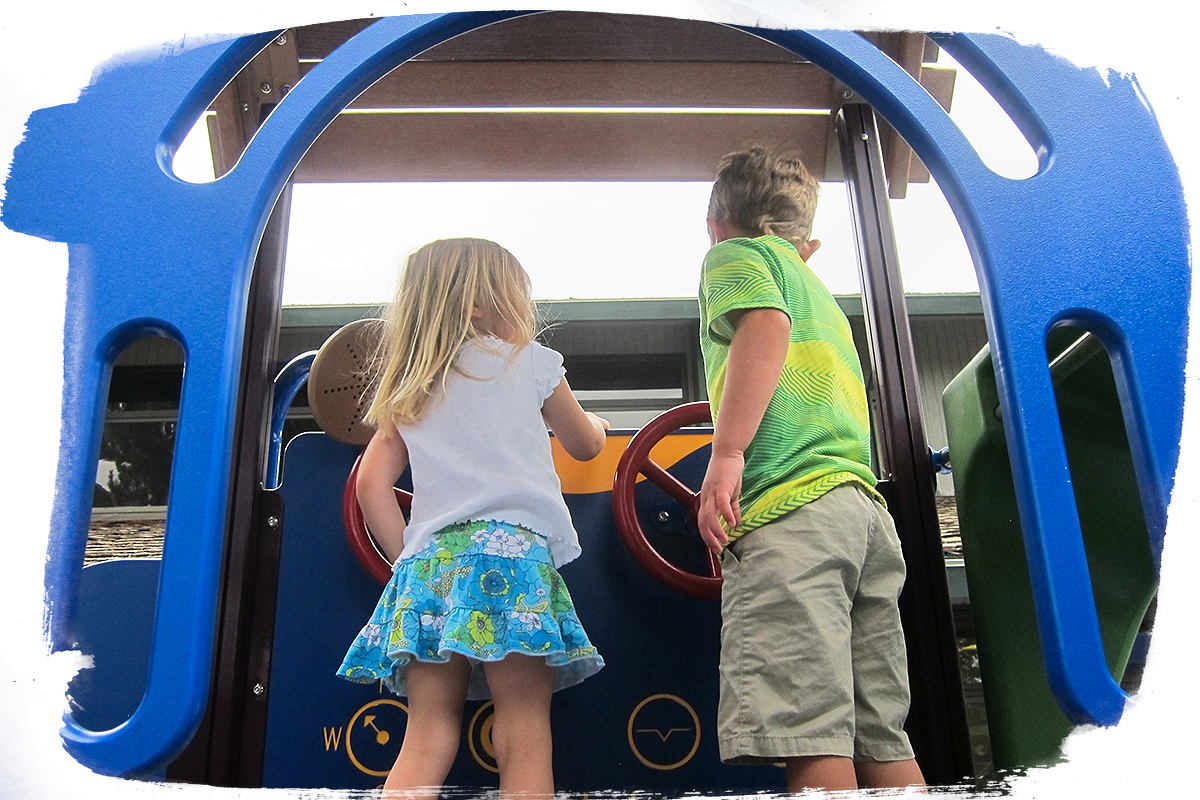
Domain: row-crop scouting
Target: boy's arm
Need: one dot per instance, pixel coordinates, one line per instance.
(383, 462)
(757, 353)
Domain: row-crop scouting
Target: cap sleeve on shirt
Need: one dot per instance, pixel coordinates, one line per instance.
(737, 275)
(548, 369)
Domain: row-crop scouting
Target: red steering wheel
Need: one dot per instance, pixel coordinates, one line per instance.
(636, 460)
(362, 544)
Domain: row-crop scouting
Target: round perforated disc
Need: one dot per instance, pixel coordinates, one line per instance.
(339, 383)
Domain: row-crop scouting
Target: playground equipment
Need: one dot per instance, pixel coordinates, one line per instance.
(1025, 722)
(1089, 241)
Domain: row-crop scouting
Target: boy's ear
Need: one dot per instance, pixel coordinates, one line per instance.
(809, 247)
(713, 236)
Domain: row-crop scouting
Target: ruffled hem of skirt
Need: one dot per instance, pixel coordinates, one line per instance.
(570, 669)
(485, 607)
(383, 650)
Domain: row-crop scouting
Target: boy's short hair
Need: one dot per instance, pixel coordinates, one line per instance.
(765, 191)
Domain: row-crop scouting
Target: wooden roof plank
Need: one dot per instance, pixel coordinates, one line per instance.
(500, 84)
(537, 146)
(571, 35)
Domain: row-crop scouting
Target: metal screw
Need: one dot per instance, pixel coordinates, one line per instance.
(864, 137)
(259, 689)
(847, 94)
(281, 39)
(287, 87)
(272, 522)
(663, 516)
(265, 88)
(246, 107)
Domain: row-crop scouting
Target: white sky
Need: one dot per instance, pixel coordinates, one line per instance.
(47, 53)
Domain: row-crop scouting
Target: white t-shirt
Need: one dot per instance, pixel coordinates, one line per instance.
(482, 452)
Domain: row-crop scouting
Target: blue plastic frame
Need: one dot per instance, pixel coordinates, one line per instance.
(1097, 238)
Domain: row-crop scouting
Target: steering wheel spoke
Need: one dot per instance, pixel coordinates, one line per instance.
(674, 488)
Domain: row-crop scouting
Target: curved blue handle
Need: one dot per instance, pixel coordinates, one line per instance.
(287, 384)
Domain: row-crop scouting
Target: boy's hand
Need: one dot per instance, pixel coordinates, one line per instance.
(719, 510)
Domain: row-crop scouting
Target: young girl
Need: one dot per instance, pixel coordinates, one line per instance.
(475, 607)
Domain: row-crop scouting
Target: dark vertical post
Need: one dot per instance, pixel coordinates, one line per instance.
(937, 722)
(227, 750)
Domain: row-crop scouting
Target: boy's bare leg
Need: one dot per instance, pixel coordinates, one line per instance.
(889, 774)
(436, 693)
(832, 773)
(521, 690)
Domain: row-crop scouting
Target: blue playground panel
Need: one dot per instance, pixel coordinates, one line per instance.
(1098, 238)
(645, 721)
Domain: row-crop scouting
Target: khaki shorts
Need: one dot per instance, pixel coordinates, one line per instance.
(812, 652)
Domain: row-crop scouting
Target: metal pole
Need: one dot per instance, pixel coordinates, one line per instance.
(937, 722)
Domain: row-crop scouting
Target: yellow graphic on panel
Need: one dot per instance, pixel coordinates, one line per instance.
(373, 736)
(588, 477)
(479, 738)
(664, 731)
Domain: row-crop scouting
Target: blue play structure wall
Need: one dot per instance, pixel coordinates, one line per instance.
(1098, 239)
(660, 650)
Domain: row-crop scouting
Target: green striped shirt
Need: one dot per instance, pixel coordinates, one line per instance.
(815, 434)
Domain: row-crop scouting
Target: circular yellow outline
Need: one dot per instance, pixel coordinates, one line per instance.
(471, 739)
(695, 744)
(350, 726)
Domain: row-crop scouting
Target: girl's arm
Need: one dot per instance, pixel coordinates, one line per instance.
(385, 458)
(580, 432)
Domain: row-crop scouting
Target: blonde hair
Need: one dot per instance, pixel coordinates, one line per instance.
(765, 191)
(440, 286)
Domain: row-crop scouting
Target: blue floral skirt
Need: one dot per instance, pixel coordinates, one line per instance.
(483, 589)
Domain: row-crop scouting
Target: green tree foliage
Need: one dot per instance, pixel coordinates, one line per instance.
(142, 454)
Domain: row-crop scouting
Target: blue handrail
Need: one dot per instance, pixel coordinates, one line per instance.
(287, 384)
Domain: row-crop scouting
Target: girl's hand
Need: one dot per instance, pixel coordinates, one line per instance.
(598, 421)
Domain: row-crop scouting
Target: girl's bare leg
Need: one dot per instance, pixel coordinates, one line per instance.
(436, 693)
(521, 690)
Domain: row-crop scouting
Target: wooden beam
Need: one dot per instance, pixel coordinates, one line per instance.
(908, 50)
(246, 101)
(557, 84)
(573, 36)
(580, 60)
(939, 82)
(538, 146)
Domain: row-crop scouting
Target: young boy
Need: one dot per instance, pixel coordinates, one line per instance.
(813, 667)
